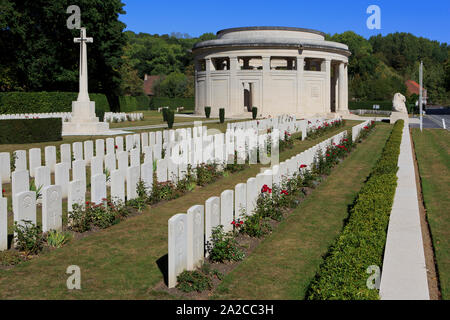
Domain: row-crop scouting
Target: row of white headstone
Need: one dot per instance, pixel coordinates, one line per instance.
(357, 129)
(65, 116)
(122, 116)
(123, 172)
(189, 233)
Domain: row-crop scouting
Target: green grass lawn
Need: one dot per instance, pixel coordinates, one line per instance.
(124, 261)
(432, 148)
(283, 265)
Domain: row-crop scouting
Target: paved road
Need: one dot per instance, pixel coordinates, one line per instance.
(433, 121)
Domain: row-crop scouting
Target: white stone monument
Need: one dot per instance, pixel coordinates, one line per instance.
(84, 121)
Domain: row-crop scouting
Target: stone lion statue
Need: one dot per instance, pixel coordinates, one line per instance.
(399, 103)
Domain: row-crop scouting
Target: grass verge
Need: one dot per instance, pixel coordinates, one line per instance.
(432, 148)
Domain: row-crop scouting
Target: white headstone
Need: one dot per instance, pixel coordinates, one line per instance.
(132, 180)
(161, 170)
(88, 151)
(5, 167)
(25, 207)
(50, 158)
(42, 178)
(35, 160)
(110, 146)
(119, 144)
(20, 182)
(135, 157)
(240, 200)
(79, 171)
(3, 224)
(196, 244)
(252, 194)
(51, 208)
(212, 216)
(77, 194)
(226, 210)
(77, 150)
(62, 177)
(96, 166)
(178, 242)
(147, 175)
(122, 161)
(66, 155)
(117, 186)
(98, 188)
(21, 160)
(100, 148)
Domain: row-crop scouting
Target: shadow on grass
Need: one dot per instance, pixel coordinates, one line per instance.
(163, 265)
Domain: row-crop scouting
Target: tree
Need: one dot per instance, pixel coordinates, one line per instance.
(41, 51)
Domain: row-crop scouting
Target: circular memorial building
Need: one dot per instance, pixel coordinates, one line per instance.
(279, 70)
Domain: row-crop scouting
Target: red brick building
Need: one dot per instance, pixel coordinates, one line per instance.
(413, 87)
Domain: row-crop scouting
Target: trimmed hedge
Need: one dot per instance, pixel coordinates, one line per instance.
(21, 131)
(368, 105)
(172, 103)
(44, 102)
(361, 244)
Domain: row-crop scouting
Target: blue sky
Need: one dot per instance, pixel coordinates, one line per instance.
(430, 19)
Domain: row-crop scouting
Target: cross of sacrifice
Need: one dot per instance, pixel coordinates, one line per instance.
(83, 94)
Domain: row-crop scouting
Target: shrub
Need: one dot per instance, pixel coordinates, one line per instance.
(222, 115)
(28, 237)
(361, 243)
(207, 173)
(79, 219)
(164, 113)
(207, 112)
(57, 239)
(256, 226)
(189, 281)
(223, 246)
(170, 115)
(30, 130)
(254, 113)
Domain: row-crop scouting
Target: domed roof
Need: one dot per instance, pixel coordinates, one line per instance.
(272, 37)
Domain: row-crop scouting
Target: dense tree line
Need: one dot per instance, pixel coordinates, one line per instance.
(380, 65)
(38, 54)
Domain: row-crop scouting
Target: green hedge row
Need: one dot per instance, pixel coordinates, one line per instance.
(131, 104)
(172, 103)
(368, 105)
(44, 102)
(21, 131)
(361, 244)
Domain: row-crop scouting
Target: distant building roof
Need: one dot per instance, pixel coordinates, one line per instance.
(149, 81)
(414, 87)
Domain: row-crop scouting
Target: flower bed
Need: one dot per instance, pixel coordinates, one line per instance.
(361, 244)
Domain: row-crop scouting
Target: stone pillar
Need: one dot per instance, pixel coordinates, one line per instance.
(345, 92)
(343, 104)
(233, 108)
(327, 100)
(265, 84)
(208, 82)
(300, 81)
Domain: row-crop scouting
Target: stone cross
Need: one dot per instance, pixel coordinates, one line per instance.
(83, 94)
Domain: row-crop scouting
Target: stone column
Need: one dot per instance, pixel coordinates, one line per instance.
(208, 82)
(234, 89)
(327, 100)
(342, 87)
(265, 84)
(300, 81)
(345, 92)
